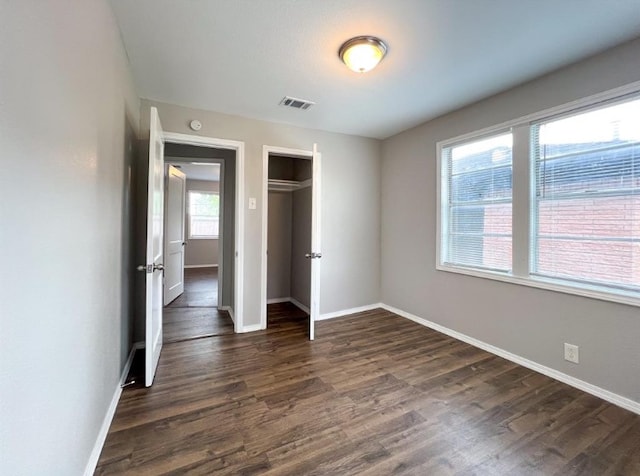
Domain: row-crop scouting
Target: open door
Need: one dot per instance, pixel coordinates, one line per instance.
(315, 254)
(154, 266)
(174, 241)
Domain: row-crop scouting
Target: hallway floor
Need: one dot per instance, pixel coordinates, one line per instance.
(194, 313)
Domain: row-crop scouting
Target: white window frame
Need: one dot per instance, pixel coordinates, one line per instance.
(443, 182)
(522, 197)
(200, 237)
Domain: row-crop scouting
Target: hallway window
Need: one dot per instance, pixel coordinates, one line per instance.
(204, 215)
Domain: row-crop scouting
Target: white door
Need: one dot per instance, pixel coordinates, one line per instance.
(174, 241)
(315, 253)
(154, 266)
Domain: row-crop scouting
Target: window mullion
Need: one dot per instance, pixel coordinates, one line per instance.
(521, 200)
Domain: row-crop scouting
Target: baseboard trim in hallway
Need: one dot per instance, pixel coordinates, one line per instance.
(587, 387)
(111, 411)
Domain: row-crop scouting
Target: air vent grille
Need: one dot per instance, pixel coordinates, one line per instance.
(296, 103)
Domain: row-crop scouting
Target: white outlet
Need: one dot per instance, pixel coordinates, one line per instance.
(572, 353)
(252, 203)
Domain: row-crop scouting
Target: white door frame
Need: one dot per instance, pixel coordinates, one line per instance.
(238, 146)
(266, 151)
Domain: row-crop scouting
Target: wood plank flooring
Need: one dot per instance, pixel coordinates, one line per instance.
(194, 313)
(375, 394)
(200, 289)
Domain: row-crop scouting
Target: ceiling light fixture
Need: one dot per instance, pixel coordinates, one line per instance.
(362, 53)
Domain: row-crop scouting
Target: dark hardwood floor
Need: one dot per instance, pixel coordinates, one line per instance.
(200, 289)
(374, 394)
(194, 314)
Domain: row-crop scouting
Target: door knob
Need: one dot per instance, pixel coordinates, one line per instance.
(313, 255)
(158, 267)
(144, 267)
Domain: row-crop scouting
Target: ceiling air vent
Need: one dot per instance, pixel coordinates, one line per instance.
(296, 103)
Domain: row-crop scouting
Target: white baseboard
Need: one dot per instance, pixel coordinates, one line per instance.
(191, 266)
(251, 328)
(600, 392)
(345, 312)
(229, 310)
(299, 305)
(111, 411)
(278, 300)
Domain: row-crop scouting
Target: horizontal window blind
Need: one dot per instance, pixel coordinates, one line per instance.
(479, 195)
(586, 209)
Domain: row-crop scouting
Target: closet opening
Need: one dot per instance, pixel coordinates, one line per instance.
(289, 223)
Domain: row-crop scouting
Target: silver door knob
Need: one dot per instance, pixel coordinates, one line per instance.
(158, 267)
(313, 255)
(144, 267)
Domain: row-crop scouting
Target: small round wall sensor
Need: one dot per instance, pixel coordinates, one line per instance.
(195, 125)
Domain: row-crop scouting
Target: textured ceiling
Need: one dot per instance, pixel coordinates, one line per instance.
(242, 56)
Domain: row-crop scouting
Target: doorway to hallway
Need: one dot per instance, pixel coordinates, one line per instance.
(195, 314)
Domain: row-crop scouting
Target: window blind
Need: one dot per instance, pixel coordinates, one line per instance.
(478, 213)
(586, 211)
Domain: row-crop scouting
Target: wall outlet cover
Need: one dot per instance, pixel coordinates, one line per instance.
(572, 353)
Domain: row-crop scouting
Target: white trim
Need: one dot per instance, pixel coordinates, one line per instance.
(346, 312)
(299, 305)
(523, 200)
(266, 150)
(251, 328)
(583, 290)
(238, 146)
(190, 266)
(587, 387)
(229, 309)
(111, 411)
(278, 300)
(264, 236)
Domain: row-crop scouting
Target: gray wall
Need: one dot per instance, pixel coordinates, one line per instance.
(201, 251)
(279, 245)
(300, 245)
(68, 119)
(529, 322)
(350, 274)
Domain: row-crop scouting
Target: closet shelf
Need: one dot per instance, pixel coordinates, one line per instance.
(276, 185)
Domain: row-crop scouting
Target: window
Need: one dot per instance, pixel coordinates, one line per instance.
(587, 204)
(478, 196)
(553, 202)
(204, 215)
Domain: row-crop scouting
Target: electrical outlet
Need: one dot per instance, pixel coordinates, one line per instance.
(572, 353)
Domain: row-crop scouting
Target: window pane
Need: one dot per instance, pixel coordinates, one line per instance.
(204, 208)
(478, 211)
(587, 210)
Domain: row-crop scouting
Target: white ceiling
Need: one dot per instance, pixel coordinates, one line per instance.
(209, 172)
(242, 56)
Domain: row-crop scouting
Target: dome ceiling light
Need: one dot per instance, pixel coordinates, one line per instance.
(362, 53)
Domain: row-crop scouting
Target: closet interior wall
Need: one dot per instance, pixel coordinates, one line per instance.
(289, 230)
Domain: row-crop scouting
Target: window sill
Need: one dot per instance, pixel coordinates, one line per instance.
(594, 292)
